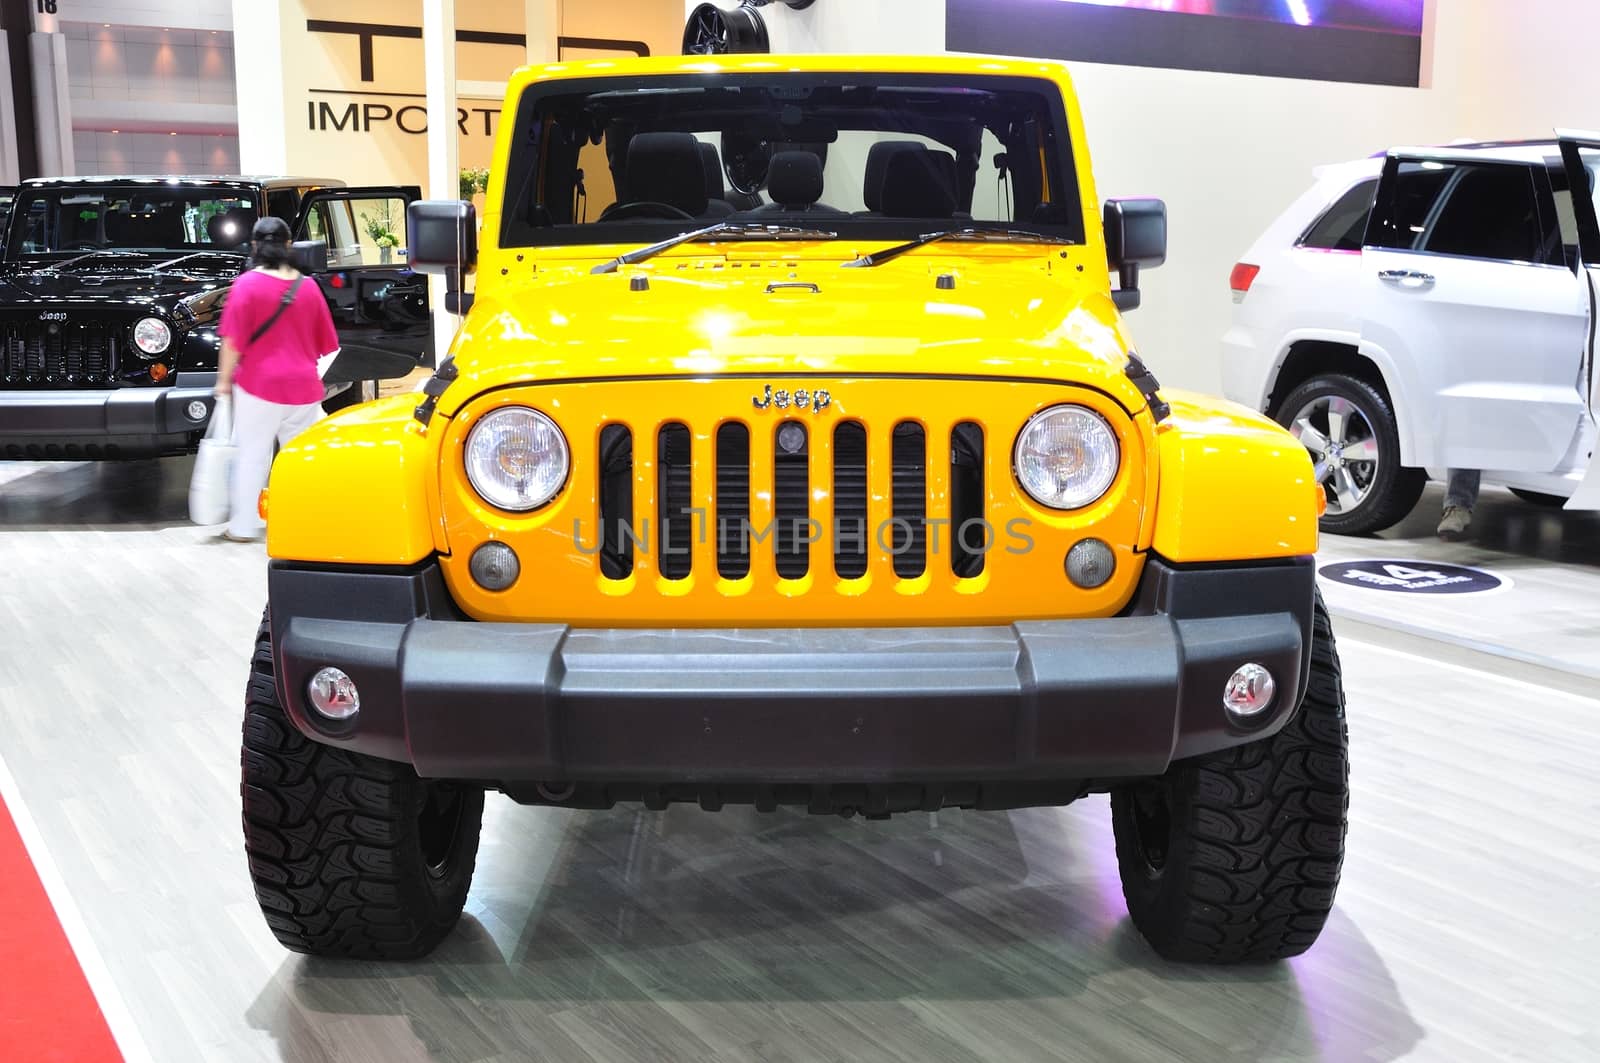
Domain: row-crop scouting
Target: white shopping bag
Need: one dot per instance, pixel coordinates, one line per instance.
(208, 488)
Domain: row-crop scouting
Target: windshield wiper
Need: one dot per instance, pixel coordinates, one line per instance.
(112, 251)
(741, 229)
(184, 258)
(987, 236)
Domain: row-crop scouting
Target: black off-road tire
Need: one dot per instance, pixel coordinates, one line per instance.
(1396, 488)
(1235, 857)
(1538, 498)
(351, 856)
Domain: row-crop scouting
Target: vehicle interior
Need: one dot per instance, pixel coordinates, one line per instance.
(850, 153)
(134, 219)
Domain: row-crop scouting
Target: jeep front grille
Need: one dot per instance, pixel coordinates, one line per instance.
(796, 539)
(59, 354)
(690, 503)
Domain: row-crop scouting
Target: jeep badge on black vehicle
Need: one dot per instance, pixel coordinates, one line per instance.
(111, 289)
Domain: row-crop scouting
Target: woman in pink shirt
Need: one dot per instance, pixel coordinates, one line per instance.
(275, 325)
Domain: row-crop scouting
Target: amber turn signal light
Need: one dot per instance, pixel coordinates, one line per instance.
(261, 505)
(158, 372)
(1322, 500)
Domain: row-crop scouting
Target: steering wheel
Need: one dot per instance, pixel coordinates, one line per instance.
(644, 208)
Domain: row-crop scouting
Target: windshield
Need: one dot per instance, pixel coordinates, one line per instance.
(132, 218)
(873, 156)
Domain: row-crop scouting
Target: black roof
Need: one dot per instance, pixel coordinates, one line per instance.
(190, 180)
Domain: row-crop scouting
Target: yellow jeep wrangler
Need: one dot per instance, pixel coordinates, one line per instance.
(793, 451)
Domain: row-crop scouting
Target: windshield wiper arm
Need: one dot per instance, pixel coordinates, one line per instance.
(731, 228)
(990, 236)
(184, 258)
(113, 251)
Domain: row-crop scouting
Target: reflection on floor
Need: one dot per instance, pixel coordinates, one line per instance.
(1550, 618)
(1466, 928)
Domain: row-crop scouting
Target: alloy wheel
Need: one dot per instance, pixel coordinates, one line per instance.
(714, 31)
(1344, 445)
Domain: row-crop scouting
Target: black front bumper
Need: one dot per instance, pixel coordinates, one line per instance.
(1040, 700)
(109, 423)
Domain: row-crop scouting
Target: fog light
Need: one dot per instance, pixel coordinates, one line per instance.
(1090, 563)
(1249, 691)
(196, 410)
(495, 566)
(334, 694)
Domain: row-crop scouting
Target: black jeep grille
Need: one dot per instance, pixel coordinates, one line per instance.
(60, 354)
(795, 543)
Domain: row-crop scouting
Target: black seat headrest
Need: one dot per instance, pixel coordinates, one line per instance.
(153, 226)
(920, 184)
(231, 228)
(794, 180)
(116, 226)
(712, 164)
(877, 164)
(667, 168)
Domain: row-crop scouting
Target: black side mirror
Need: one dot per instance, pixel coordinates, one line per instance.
(309, 256)
(1136, 236)
(444, 238)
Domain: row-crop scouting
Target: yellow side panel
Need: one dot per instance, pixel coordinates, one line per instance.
(354, 489)
(1234, 485)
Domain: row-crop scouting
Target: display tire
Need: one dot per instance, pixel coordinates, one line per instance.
(1395, 489)
(351, 856)
(1539, 498)
(712, 30)
(1235, 857)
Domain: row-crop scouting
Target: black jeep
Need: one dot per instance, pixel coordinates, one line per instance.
(111, 289)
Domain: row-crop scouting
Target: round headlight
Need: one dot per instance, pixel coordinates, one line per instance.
(1066, 457)
(516, 459)
(152, 336)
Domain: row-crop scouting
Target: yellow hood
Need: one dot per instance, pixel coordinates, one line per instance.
(1028, 317)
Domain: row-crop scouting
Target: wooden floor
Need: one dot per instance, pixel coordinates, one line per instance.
(1468, 926)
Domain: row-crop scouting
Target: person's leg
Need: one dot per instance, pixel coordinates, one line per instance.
(1462, 491)
(1459, 497)
(297, 419)
(255, 425)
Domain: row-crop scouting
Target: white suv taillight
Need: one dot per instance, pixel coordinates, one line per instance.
(1244, 275)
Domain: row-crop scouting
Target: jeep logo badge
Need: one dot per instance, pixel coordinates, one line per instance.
(52, 315)
(800, 398)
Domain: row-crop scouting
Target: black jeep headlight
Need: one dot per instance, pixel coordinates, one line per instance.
(152, 336)
(1066, 457)
(517, 459)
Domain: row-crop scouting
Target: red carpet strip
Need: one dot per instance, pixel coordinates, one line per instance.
(47, 1012)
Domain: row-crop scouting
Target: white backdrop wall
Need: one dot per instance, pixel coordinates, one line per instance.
(149, 64)
(162, 14)
(1228, 153)
(125, 152)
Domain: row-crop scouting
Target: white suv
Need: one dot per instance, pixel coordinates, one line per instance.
(1425, 310)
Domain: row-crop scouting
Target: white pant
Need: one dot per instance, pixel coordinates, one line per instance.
(257, 423)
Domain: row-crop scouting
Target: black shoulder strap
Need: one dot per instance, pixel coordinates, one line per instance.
(283, 304)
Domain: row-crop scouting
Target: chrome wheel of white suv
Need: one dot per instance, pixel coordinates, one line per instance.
(1344, 446)
(1347, 426)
